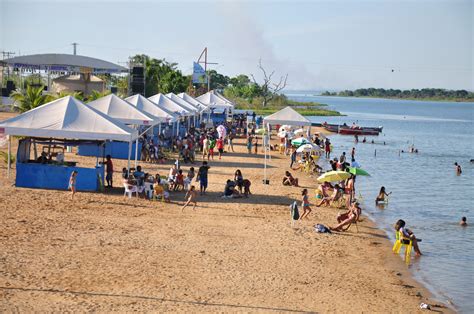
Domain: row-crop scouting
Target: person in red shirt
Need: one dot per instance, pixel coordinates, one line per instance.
(220, 146)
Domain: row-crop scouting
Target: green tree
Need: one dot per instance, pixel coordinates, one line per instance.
(30, 98)
(96, 95)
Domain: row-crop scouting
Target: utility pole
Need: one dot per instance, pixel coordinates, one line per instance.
(204, 52)
(75, 46)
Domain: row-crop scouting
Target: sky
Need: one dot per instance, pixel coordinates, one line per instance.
(321, 45)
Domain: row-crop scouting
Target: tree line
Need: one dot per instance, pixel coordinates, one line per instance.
(424, 93)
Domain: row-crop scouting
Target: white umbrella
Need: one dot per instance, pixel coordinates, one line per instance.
(284, 128)
(298, 131)
(307, 148)
(221, 131)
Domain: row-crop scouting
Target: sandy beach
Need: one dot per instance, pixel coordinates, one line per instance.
(104, 252)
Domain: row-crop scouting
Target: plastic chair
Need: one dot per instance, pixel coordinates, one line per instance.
(401, 241)
(129, 190)
(149, 190)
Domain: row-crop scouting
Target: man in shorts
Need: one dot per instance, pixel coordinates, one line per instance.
(109, 170)
(202, 177)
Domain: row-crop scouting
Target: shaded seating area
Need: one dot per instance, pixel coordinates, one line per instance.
(56, 125)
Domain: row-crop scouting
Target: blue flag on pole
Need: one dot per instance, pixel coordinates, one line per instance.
(199, 74)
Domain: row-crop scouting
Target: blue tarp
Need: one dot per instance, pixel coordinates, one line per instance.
(117, 150)
(47, 176)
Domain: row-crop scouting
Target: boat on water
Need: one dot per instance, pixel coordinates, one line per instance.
(345, 129)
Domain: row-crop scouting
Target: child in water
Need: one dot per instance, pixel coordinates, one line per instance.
(463, 222)
(381, 196)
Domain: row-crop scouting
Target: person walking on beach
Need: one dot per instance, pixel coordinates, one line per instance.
(109, 170)
(353, 153)
(292, 158)
(305, 204)
(220, 147)
(191, 196)
(249, 144)
(230, 145)
(72, 183)
(205, 148)
(327, 148)
(458, 168)
(202, 177)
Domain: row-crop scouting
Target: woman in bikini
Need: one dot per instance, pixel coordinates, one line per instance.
(305, 204)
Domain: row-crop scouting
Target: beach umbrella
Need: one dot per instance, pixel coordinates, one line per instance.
(358, 171)
(320, 135)
(307, 148)
(334, 176)
(298, 131)
(300, 141)
(260, 131)
(221, 131)
(284, 128)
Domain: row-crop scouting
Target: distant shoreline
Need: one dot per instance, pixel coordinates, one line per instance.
(456, 100)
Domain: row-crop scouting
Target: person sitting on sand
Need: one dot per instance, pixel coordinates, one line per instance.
(347, 218)
(336, 195)
(289, 180)
(161, 192)
(179, 181)
(381, 197)
(191, 196)
(324, 189)
(405, 233)
(463, 222)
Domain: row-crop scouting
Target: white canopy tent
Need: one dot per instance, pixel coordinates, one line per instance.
(119, 109)
(67, 118)
(142, 103)
(165, 102)
(222, 97)
(193, 101)
(168, 104)
(123, 111)
(211, 100)
(183, 103)
(286, 116)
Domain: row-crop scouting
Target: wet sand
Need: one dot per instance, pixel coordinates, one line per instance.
(104, 252)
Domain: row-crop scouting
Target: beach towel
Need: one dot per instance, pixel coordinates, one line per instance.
(321, 228)
(295, 214)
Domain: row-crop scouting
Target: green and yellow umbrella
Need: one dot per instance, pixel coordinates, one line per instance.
(334, 176)
(358, 171)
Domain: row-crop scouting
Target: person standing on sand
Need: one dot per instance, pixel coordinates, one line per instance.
(327, 148)
(202, 177)
(109, 170)
(191, 196)
(72, 183)
(255, 146)
(230, 145)
(305, 204)
(220, 146)
(205, 148)
(249, 144)
(292, 158)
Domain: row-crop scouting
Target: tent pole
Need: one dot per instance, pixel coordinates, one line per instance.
(136, 153)
(177, 129)
(9, 154)
(129, 154)
(159, 129)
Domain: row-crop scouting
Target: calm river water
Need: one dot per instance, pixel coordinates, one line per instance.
(427, 193)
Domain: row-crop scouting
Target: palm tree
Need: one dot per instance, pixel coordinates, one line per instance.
(96, 95)
(31, 98)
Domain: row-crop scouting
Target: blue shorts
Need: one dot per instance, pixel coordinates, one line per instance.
(203, 182)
